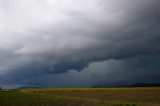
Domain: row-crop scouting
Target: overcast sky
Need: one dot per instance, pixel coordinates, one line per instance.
(79, 43)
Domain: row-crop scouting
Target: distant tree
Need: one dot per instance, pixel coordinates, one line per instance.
(0, 88)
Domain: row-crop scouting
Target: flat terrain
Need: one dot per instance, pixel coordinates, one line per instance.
(82, 97)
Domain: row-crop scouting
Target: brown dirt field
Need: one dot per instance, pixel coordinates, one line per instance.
(142, 96)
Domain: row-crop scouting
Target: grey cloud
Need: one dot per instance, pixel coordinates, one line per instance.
(36, 36)
(144, 69)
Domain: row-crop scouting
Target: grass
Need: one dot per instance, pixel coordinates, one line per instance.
(82, 97)
(16, 98)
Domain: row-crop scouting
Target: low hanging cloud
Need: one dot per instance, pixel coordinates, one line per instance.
(38, 36)
(142, 69)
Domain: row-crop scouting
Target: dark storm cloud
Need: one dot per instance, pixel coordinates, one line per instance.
(144, 69)
(48, 37)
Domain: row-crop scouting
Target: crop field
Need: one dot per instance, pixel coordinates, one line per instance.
(81, 97)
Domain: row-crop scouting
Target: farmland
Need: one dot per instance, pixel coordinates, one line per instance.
(81, 97)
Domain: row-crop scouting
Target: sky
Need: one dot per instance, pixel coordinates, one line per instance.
(79, 43)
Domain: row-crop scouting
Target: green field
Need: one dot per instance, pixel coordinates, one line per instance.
(81, 97)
